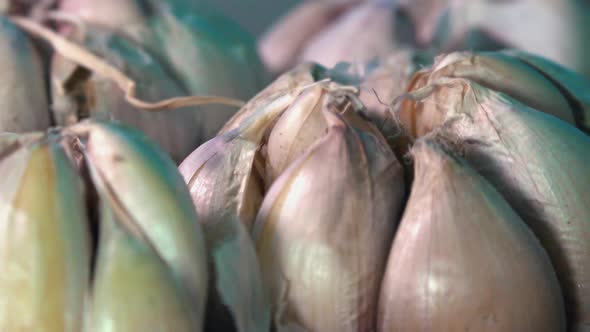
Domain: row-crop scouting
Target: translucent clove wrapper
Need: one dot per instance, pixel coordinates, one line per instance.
(44, 240)
(324, 230)
(152, 265)
(463, 260)
(134, 289)
(539, 164)
(298, 77)
(387, 79)
(227, 191)
(77, 94)
(303, 123)
(296, 130)
(23, 99)
(555, 91)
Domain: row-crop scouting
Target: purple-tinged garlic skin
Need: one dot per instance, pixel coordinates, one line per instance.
(538, 162)
(324, 230)
(463, 260)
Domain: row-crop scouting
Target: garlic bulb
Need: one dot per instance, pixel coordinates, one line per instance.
(506, 74)
(386, 81)
(132, 280)
(146, 269)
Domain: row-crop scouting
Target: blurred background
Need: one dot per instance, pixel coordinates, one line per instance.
(254, 15)
(358, 31)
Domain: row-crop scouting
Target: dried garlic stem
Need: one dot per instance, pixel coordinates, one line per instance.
(83, 57)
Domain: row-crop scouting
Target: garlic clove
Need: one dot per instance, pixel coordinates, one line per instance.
(228, 161)
(462, 259)
(296, 130)
(537, 162)
(151, 205)
(44, 244)
(324, 228)
(134, 288)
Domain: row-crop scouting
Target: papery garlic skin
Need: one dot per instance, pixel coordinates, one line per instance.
(223, 183)
(323, 231)
(296, 78)
(44, 244)
(149, 220)
(530, 79)
(297, 129)
(537, 162)
(504, 73)
(304, 123)
(463, 260)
